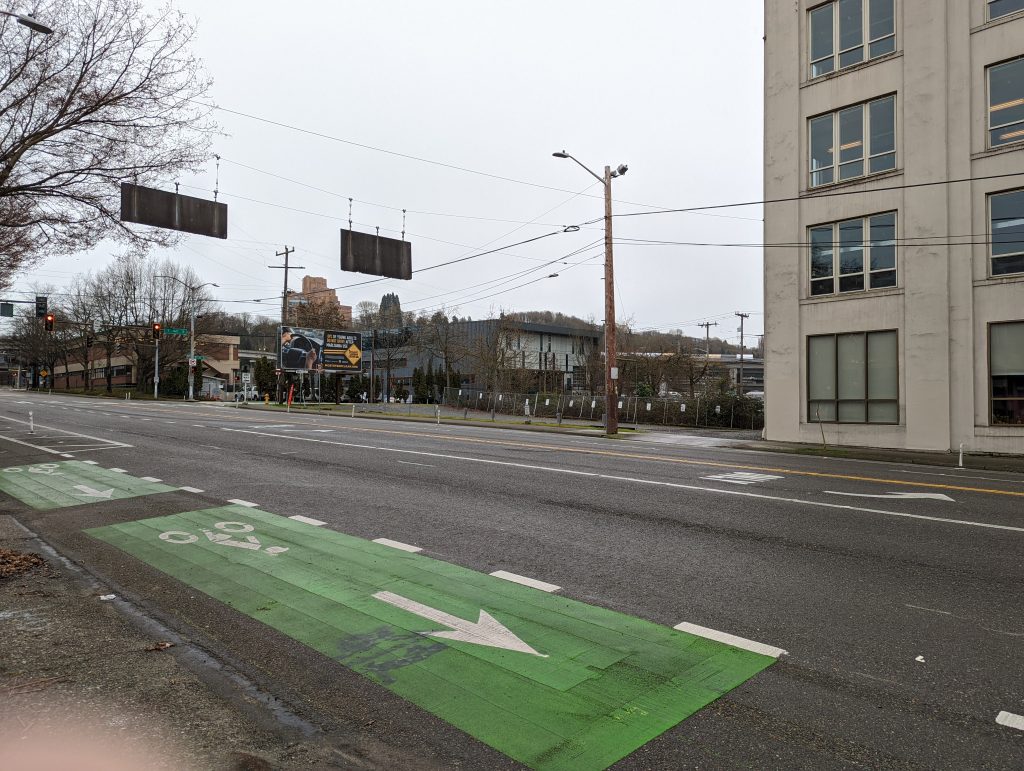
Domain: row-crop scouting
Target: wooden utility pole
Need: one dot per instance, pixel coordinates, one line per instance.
(743, 316)
(288, 251)
(707, 337)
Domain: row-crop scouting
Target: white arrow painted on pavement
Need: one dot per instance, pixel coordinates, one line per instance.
(486, 631)
(90, 493)
(898, 496)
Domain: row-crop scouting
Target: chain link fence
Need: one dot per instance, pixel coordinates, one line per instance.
(704, 410)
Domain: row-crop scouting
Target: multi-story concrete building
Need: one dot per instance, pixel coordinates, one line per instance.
(315, 292)
(894, 161)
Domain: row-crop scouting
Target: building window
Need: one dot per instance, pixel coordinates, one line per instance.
(855, 30)
(853, 378)
(1006, 103)
(997, 8)
(865, 135)
(1006, 366)
(1006, 219)
(860, 253)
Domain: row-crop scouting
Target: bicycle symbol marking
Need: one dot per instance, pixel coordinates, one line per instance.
(49, 469)
(224, 537)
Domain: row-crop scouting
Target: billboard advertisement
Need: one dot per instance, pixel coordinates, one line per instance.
(319, 350)
(342, 351)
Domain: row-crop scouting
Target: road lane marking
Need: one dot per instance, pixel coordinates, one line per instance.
(247, 504)
(683, 461)
(525, 581)
(742, 478)
(654, 482)
(731, 639)
(119, 470)
(486, 631)
(190, 489)
(603, 685)
(397, 545)
(410, 463)
(308, 520)
(1010, 720)
(91, 462)
(151, 479)
(897, 496)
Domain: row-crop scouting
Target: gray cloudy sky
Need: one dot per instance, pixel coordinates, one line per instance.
(674, 89)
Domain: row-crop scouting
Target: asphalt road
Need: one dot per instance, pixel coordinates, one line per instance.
(894, 590)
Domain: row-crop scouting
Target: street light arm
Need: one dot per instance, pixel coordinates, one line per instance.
(564, 154)
(29, 22)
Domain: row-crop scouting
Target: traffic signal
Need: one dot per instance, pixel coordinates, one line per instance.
(158, 330)
(42, 305)
(48, 322)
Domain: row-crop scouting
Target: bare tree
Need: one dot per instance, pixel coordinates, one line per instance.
(113, 94)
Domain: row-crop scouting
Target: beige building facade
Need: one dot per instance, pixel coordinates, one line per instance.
(894, 259)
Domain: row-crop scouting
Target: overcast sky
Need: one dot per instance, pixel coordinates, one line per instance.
(673, 89)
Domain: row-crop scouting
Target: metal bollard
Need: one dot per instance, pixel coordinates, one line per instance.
(31, 424)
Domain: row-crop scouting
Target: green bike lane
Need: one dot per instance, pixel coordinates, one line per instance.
(549, 681)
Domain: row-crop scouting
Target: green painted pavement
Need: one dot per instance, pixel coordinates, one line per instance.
(575, 687)
(71, 483)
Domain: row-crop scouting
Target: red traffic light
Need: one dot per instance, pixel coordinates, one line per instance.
(157, 329)
(48, 322)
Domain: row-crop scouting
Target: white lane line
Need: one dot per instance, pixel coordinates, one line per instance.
(247, 504)
(731, 639)
(151, 479)
(198, 425)
(516, 579)
(307, 520)
(91, 462)
(656, 483)
(1011, 720)
(119, 470)
(190, 489)
(65, 455)
(397, 545)
(410, 463)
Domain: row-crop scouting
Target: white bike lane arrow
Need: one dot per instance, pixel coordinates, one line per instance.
(486, 631)
(898, 496)
(88, 492)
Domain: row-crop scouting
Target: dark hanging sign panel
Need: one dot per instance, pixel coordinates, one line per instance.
(173, 211)
(369, 253)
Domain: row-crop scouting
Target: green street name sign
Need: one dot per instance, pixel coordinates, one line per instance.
(175, 331)
(549, 681)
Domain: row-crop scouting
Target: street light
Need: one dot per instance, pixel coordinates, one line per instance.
(192, 329)
(29, 22)
(611, 372)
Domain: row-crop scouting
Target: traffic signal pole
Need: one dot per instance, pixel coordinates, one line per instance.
(156, 371)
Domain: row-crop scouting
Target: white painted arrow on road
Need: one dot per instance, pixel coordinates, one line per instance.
(898, 496)
(90, 493)
(486, 631)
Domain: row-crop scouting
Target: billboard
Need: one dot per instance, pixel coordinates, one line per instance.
(342, 351)
(369, 253)
(319, 350)
(172, 211)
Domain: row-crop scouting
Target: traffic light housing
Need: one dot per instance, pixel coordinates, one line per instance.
(48, 321)
(42, 306)
(158, 330)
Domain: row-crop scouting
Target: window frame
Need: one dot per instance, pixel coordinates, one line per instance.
(991, 389)
(867, 400)
(866, 41)
(990, 272)
(867, 154)
(867, 244)
(990, 17)
(1019, 134)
